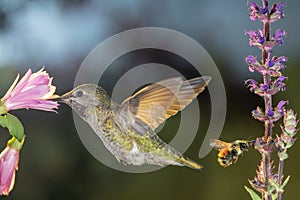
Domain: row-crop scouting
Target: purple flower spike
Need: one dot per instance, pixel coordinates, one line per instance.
(259, 115)
(270, 112)
(252, 62)
(250, 59)
(251, 33)
(254, 10)
(282, 78)
(266, 182)
(280, 105)
(253, 6)
(270, 63)
(281, 59)
(264, 87)
(252, 85)
(277, 12)
(264, 10)
(279, 111)
(279, 7)
(278, 36)
(256, 37)
(278, 63)
(270, 60)
(272, 66)
(279, 83)
(257, 12)
(260, 36)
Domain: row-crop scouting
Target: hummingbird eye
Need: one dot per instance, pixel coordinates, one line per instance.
(79, 93)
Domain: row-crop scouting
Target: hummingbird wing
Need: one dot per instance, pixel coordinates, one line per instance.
(153, 104)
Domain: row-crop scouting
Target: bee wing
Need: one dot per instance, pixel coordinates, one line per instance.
(155, 103)
(219, 144)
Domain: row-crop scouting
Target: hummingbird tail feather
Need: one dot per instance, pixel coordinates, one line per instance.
(189, 163)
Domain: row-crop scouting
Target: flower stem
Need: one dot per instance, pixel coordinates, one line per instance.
(268, 105)
(280, 175)
(268, 134)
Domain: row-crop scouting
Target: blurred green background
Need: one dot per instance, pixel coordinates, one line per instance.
(54, 164)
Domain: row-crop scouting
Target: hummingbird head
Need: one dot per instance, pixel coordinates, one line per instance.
(85, 96)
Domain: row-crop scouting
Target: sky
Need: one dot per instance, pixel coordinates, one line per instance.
(59, 33)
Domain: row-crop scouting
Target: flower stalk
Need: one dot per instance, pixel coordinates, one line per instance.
(268, 104)
(269, 184)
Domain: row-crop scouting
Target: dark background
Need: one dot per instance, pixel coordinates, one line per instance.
(59, 34)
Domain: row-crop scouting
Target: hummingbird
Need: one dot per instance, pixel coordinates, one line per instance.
(127, 130)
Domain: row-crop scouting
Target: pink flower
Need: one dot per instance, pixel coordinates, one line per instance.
(34, 91)
(9, 159)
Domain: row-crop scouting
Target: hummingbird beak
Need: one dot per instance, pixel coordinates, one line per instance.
(62, 99)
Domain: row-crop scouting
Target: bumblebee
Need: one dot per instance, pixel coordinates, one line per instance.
(229, 151)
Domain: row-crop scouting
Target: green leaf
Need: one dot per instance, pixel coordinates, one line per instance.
(13, 124)
(274, 196)
(285, 182)
(275, 185)
(253, 194)
(280, 188)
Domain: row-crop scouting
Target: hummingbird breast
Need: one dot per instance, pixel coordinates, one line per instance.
(128, 146)
(118, 140)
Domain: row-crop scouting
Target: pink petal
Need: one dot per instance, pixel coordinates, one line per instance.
(8, 169)
(39, 80)
(46, 106)
(50, 93)
(9, 159)
(11, 88)
(2, 187)
(38, 73)
(34, 104)
(32, 93)
(22, 83)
